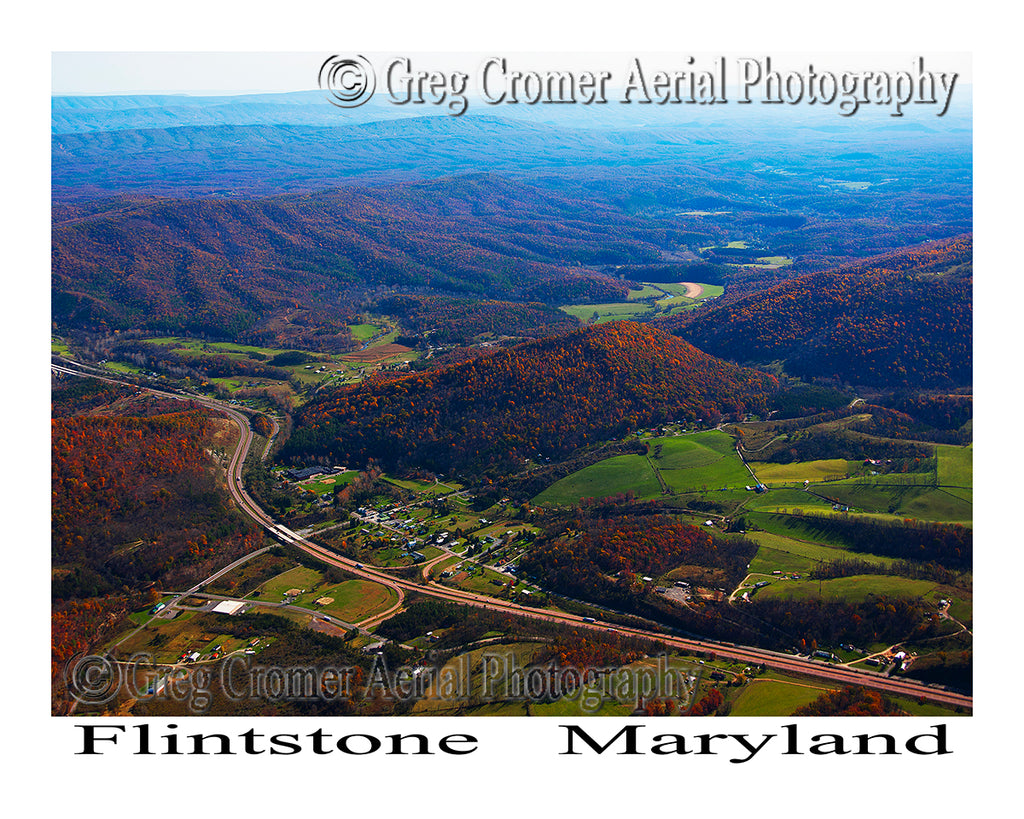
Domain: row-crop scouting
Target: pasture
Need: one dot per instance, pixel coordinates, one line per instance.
(853, 589)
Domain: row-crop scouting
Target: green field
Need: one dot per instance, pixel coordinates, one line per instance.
(814, 471)
(773, 698)
(355, 600)
(852, 589)
(692, 463)
(956, 465)
(363, 332)
(646, 291)
(706, 459)
(786, 500)
(623, 473)
(301, 577)
(920, 502)
(788, 554)
(606, 312)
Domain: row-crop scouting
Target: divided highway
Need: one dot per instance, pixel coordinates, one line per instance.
(757, 656)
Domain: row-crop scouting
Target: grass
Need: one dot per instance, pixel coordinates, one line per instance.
(704, 461)
(852, 589)
(790, 555)
(773, 698)
(956, 465)
(646, 291)
(786, 500)
(920, 502)
(623, 473)
(800, 471)
(606, 312)
(355, 600)
(363, 332)
(300, 577)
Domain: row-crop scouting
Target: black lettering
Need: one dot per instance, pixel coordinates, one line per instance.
(940, 741)
(445, 742)
(280, 740)
(89, 738)
(199, 744)
(828, 744)
(576, 731)
(677, 742)
(344, 741)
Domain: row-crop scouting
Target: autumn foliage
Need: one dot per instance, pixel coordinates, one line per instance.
(888, 325)
(544, 398)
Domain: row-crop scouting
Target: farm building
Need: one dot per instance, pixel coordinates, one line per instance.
(229, 606)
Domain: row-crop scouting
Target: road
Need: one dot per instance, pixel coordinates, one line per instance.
(776, 660)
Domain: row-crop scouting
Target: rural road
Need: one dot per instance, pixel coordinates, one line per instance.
(771, 659)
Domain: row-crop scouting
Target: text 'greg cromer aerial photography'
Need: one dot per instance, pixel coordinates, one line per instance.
(458, 384)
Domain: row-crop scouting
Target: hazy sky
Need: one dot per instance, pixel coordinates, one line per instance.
(92, 72)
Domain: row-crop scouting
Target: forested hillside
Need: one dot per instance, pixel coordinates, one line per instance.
(540, 399)
(895, 322)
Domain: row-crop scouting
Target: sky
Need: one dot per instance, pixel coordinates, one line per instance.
(234, 72)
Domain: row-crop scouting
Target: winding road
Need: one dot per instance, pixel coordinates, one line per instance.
(774, 660)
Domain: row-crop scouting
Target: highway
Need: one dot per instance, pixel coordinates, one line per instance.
(755, 656)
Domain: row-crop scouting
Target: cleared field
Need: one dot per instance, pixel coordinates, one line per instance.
(786, 500)
(300, 577)
(355, 600)
(920, 502)
(726, 472)
(800, 471)
(328, 484)
(956, 465)
(850, 589)
(773, 698)
(363, 332)
(796, 549)
(688, 464)
(787, 554)
(623, 473)
(683, 453)
(707, 291)
(606, 312)
(380, 352)
(645, 292)
(250, 575)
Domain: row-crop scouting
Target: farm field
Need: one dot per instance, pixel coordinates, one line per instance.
(623, 473)
(690, 463)
(797, 473)
(920, 502)
(773, 698)
(852, 589)
(788, 554)
(667, 298)
(612, 311)
(956, 465)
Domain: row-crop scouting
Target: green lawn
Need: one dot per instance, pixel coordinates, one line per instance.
(920, 502)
